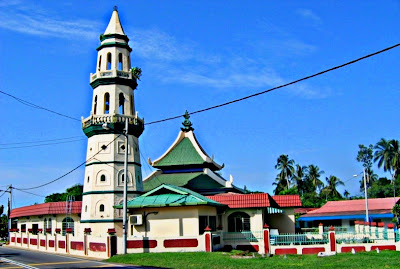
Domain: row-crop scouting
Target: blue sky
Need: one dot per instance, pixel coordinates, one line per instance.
(196, 54)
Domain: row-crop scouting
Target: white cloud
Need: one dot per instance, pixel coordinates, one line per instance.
(33, 20)
(309, 14)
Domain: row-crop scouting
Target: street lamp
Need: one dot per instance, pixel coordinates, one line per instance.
(124, 208)
(365, 195)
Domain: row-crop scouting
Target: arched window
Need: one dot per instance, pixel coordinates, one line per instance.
(88, 179)
(120, 64)
(44, 225)
(109, 61)
(129, 62)
(67, 223)
(102, 178)
(85, 208)
(95, 105)
(131, 103)
(238, 222)
(106, 103)
(101, 208)
(123, 178)
(99, 63)
(121, 103)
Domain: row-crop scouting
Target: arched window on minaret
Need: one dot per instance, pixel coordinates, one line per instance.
(131, 103)
(99, 63)
(121, 103)
(109, 61)
(101, 209)
(120, 64)
(106, 103)
(95, 105)
(129, 62)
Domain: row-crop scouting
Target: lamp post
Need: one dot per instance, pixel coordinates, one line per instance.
(124, 208)
(365, 195)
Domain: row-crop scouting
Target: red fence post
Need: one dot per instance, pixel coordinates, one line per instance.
(332, 239)
(207, 234)
(266, 239)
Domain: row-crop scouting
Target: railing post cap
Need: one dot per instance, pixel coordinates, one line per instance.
(331, 228)
(265, 226)
(320, 224)
(207, 229)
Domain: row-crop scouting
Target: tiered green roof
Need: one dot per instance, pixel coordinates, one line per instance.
(183, 153)
(196, 181)
(168, 195)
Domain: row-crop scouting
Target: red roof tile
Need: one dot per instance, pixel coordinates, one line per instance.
(304, 210)
(292, 200)
(45, 209)
(245, 200)
(354, 207)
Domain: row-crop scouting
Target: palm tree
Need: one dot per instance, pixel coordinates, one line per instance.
(313, 177)
(285, 165)
(298, 178)
(383, 154)
(346, 194)
(333, 183)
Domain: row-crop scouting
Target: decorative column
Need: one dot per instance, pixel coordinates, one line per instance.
(266, 239)
(67, 234)
(86, 231)
(373, 230)
(390, 231)
(320, 228)
(207, 235)
(357, 227)
(111, 232)
(332, 239)
(381, 227)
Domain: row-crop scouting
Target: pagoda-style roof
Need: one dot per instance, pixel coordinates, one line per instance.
(167, 196)
(205, 181)
(185, 153)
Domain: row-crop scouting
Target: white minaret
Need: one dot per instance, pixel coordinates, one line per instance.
(113, 102)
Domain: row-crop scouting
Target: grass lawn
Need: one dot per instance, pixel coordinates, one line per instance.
(384, 259)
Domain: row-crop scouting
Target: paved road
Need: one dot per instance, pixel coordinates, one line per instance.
(19, 258)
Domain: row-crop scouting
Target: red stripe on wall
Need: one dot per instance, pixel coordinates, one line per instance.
(25, 240)
(141, 243)
(61, 244)
(51, 243)
(42, 242)
(100, 247)
(33, 241)
(181, 243)
(12, 239)
(77, 245)
(18, 240)
(356, 248)
(388, 247)
(283, 251)
(312, 250)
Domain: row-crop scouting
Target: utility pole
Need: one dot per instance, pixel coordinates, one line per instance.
(366, 196)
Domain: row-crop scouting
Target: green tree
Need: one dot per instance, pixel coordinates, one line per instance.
(298, 178)
(365, 156)
(285, 165)
(346, 194)
(333, 183)
(313, 178)
(75, 191)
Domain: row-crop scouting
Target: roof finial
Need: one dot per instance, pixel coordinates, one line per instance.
(115, 8)
(187, 125)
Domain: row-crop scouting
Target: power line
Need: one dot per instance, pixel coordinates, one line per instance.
(40, 141)
(39, 145)
(29, 192)
(69, 172)
(278, 87)
(24, 102)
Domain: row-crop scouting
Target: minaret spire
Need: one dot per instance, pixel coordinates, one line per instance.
(114, 26)
(187, 124)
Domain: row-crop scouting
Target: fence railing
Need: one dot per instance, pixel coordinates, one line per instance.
(299, 239)
(250, 236)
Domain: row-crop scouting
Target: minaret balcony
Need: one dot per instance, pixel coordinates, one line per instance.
(93, 124)
(110, 74)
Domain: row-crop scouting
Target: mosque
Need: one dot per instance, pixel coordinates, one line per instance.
(171, 210)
